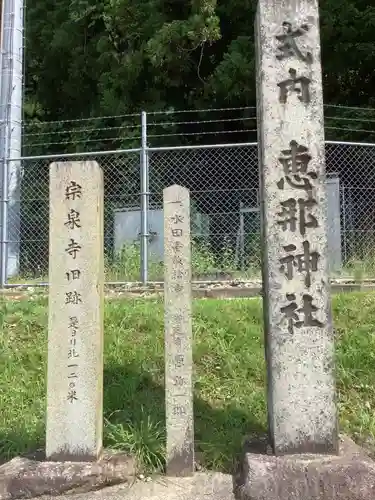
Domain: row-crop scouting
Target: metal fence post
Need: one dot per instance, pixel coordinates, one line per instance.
(4, 223)
(144, 201)
(3, 176)
(343, 230)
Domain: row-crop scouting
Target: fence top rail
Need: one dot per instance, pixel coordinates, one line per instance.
(206, 146)
(244, 144)
(349, 143)
(168, 148)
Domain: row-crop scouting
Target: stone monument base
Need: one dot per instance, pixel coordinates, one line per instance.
(348, 476)
(25, 477)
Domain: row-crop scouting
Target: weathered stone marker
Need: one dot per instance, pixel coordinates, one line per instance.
(75, 330)
(299, 335)
(178, 332)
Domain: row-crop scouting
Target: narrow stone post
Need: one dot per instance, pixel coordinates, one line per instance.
(178, 332)
(298, 324)
(75, 329)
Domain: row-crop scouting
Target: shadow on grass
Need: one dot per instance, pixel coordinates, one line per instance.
(135, 413)
(134, 418)
(14, 444)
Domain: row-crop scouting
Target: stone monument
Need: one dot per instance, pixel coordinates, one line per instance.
(75, 329)
(308, 460)
(299, 333)
(178, 332)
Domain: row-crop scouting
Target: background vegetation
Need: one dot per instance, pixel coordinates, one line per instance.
(115, 57)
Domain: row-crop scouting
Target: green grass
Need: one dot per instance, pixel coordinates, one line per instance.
(206, 264)
(229, 375)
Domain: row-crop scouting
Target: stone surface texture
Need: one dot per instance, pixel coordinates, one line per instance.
(201, 486)
(348, 476)
(298, 324)
(25, 478)
(75, 330)
(178, 332)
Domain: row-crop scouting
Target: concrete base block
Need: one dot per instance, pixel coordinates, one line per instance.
(348, 476)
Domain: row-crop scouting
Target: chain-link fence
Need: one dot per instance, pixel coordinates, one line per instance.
(121, 189)
(223, 182)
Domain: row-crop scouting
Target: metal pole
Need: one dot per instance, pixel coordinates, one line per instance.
(5, 203)
(144, 201)
(3, 165)
(11, 113)
(242, 237)
(343, 208)
(4, 224)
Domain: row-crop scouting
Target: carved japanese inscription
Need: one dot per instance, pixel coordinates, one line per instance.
(288, 42)
(295, 162)
(72, 226)
(305, 262)
(288, 48)
(297, 84)
(75, 341)
(302, 412)
(298, 317)
(73, 328)
(295, 215)
(178, 335)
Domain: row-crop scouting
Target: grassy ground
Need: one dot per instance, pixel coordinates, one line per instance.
(229, 375)
(126, 266)
(206, 264)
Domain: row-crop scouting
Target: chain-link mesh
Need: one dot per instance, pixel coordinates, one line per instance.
(223, 184)
(121, 192)
(354, 166)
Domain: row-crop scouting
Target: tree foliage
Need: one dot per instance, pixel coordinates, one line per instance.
(113, 57)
